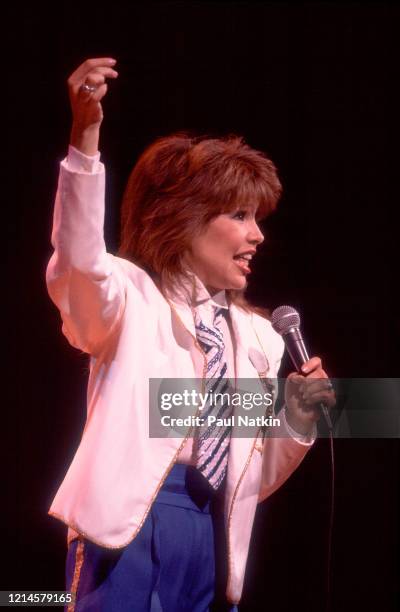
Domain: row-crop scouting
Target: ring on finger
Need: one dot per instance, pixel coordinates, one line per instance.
(87, 88)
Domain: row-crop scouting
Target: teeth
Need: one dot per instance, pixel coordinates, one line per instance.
(246, 256)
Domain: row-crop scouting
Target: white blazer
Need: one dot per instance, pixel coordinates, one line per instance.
(112, 310)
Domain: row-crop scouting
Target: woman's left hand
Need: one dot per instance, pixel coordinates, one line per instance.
(303, 393)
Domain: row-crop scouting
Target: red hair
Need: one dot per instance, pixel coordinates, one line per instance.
(179, 183)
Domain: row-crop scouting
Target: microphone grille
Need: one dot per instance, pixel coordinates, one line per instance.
(285, 318)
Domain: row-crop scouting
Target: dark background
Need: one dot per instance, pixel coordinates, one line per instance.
(311, 84)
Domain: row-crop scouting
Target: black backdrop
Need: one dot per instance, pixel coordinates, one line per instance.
(312, 84)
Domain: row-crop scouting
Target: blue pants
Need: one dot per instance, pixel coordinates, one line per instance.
(170, 566)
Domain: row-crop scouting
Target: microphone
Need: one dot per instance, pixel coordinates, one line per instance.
(286, 321)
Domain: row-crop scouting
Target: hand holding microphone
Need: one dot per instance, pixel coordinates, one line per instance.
(308, 392)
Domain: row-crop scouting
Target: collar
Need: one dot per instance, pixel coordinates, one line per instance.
(193, 292)
(243, 332)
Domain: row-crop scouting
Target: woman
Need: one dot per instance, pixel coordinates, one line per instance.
(143, 512)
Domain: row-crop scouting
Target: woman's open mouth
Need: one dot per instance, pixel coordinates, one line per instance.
(243, 262)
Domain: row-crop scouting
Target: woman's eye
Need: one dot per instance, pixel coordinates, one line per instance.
(240, 214)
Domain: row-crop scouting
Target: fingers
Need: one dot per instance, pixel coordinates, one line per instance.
(99, 93)
(311, 365)
(100, 64)
(95, 78)
(311, 390)
(315, 392)
(87, 87)
(296, 378)
(314, 386)
(92, 72)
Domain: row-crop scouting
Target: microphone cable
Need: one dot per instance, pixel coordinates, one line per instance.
(330, 526)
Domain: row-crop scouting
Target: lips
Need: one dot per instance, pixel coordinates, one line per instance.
(246, 254)
(243, 260)
(243, 264)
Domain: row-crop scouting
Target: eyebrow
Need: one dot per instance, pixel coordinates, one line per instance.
(246, 206)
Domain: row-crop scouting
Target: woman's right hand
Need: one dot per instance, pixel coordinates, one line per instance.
(86, 106)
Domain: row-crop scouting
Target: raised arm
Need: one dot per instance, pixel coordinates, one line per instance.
(83, 279)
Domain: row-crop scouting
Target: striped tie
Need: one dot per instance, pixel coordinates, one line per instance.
(213, 440)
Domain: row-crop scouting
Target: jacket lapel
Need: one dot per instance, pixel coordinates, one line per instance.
(244, 339)
(184, 315)
(241, 444)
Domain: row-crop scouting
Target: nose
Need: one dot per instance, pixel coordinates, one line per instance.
(255, 235)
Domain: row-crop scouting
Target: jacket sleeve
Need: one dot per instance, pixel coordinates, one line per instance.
(83, 280)
(283, 450)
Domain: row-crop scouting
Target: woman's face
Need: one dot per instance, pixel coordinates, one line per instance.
(221, 255)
